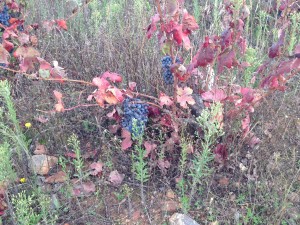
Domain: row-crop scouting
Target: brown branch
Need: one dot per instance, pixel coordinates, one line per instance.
(48, 79)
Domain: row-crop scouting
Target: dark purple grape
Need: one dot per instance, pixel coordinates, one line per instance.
(134, 112)
(166, 67)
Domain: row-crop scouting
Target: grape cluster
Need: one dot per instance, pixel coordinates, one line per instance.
(135, 116)
(166, 65)
(4, 16)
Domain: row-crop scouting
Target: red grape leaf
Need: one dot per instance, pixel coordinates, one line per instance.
(117, 93)
(246, 125)
(12, 5)
(23, 38)
(226, 38)
(9, 46)
(116, 178)
(152, 27)
(205, 55)
(101, 83)
(44, 65)
(59, 107)
(184, 97)
(165, 100)
(215, 95)
(177, 33)
(28, 56)
(10, 32)
(113, 77)
(62, 24)
(227, 60)
(274, 50)
(4, 55)
(189, 22)
(181, 37)
(126, 143)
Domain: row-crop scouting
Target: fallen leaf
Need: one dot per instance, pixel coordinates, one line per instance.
(149, 147)
(165, 100)
(224, 181)
(126, 143)
(96, 168)
(116, 178)
(59, 177)
(84, 188)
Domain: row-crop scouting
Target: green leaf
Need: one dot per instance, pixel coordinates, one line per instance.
(44, 73)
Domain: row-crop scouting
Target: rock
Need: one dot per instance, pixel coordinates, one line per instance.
(182, 219)
(43, 163)
(170, 206)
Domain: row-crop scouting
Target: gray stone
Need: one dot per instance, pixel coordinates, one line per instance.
(182, 219)
(43, 163)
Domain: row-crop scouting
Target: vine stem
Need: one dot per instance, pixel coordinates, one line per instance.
(47, 79)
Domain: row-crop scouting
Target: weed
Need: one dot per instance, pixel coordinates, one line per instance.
(251, 218)
(9, 124)
(7, 172)
(212, 129)
(30, 209)
(78, 162)
(139, 165)
(184, 198)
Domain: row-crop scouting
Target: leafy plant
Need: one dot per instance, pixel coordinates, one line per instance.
(26, 208)
(139, 165)
(78, 162)
(9, 124)
(7, 172)
(211, 125)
